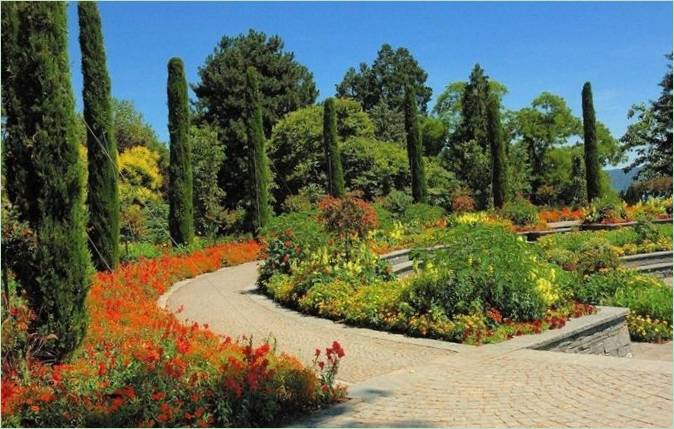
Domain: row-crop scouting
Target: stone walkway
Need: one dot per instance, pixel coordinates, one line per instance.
(401, 381)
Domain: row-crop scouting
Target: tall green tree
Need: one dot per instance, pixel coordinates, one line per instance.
(498, 152)
(46, 184)
(577, 189)
(259, 165)
(592, 166)
(333, 160)
(207, 159)
(180, 192)
(651, 135)
(468, 152)
(414, 148)
(380, 89)
(103, 192)
(285, 86)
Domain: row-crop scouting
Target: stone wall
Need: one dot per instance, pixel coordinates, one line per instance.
(611, 338)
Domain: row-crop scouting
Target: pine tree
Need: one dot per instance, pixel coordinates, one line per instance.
(414, 147)
(47, 182)
(257, 158)
(498, 155)
(103, 193)
(592, 167)
(333, 160)
(181, 220)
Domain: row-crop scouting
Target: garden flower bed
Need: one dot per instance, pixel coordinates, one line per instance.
(138, 366)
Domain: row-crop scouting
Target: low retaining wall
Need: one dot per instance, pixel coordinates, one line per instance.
(610, 337)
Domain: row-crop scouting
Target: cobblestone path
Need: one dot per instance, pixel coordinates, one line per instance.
(400, 381)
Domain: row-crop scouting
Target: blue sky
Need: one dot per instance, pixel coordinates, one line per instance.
(530, 47)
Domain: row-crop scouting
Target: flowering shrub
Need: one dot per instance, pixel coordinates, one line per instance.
(280, 253)
(643, 328)
(138, 366)
(520, 211)
(347, 217)
(651, 209)
(559, 215)
(607, 209)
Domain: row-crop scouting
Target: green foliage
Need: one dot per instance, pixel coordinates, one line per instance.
(606, 209)
(305, 227)
(502, 270)
(48, 195)
(181, 210)
(596, 254)
(296, 145)
(380, 89)
(442, 184)
(645, 296)
(498, 155)
(347, 217)
(658, 187)
(333, 160)
(208, 156)
(257, 155)
(592, 167)
(414, 148)
(651, 135)
(520, 211)
(103, 192)
(284, 85)
(433, 135)
(467, 154)
(397, 202)
(374, 167)
(448, 106)
(577, 189)
(421, 215)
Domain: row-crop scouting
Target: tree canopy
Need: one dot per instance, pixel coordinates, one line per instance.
(285, 86)
(650, 137)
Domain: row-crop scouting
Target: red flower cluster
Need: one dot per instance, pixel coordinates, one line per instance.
(559, 215)
(137, 360)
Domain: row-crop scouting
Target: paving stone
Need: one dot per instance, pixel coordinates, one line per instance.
(400, 382)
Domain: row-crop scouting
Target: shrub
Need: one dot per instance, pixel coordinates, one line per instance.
(306, 229)
(280, 253)
(463, 203)
(347, 217)
(422, 215)
(596, 254)
(520, 211)
(505, 270)
(397, 202)
(297, 203)
(606, 209)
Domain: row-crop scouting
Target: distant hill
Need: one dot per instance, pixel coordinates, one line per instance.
(619, 180)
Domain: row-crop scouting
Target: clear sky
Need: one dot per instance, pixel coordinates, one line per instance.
(530, 47)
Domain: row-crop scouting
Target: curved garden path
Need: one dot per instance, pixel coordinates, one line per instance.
(400, 381)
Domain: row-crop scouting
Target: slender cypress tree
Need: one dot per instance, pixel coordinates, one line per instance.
(181, 216)
(48, 190)
(333, 160)
(498, 154)
(592, 167)
(578, 189)
(257, 158)
(414, 147)
(103, 194)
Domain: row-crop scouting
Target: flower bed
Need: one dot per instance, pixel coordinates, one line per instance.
(479, 296)
(138, 366)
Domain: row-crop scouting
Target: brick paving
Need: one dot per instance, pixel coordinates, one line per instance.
(400, 381)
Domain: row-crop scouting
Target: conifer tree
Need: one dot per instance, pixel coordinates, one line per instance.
(592, 167)
(103, 192)
(181, 216)
(257, 158)
(578, 188)
(498, 153)
(333, 160)
(414, 147)
(46, 184)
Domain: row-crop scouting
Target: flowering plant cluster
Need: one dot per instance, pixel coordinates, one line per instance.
(559, 215)
(138, 366)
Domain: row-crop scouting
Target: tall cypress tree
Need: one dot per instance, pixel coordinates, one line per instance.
(414, 147)
(592, 167)
(578, 188)
(103, 194)
(48, 187)
(333, 160)
(257, 155)
(181, 215)
(498, 154)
